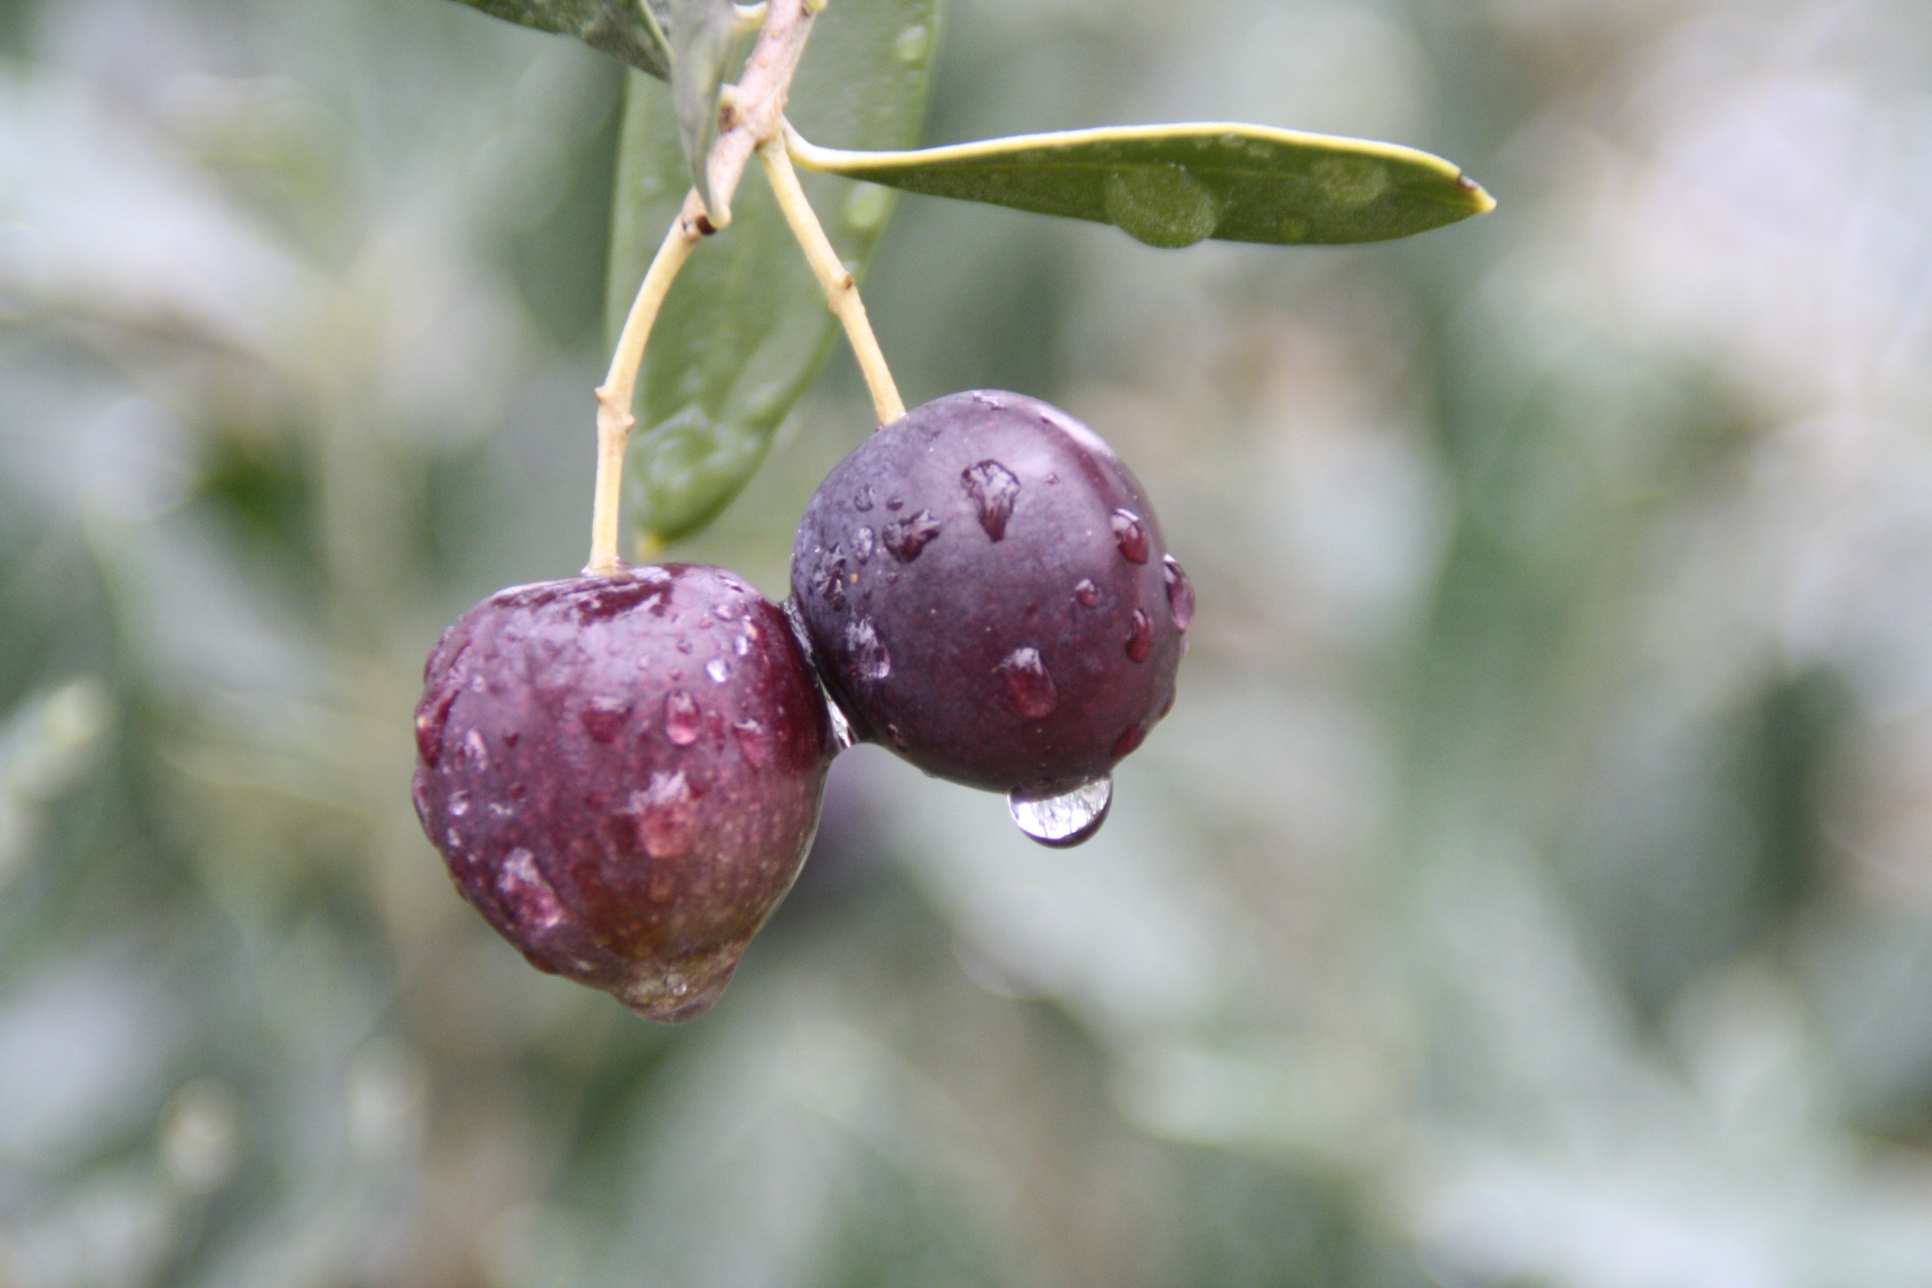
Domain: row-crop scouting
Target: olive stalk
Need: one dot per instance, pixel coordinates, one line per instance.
(617, 394)
(841, 292)
(749, 115)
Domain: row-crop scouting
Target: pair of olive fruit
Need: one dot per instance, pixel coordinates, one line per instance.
(624, 772)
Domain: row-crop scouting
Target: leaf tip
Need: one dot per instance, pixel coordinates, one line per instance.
(1480, 202)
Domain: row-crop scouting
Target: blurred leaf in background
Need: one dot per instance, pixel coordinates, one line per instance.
(1530, 887)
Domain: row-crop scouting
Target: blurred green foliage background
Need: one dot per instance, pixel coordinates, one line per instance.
(1532, 886)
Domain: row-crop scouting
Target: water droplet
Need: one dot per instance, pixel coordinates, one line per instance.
(1086, 592)
(478, 684)
(842, 733)
(993, 488)
(681, 718)
(723, 613)
(1351, 181)
(742, 645)
(828, 580)
(895, 504)
(753, 740)
(912, 44)
(684, 644)
(430, 721)
(1028, 684)
(1064, 820)
(869, 657)
(1180, 592)
(906, 537)
(499, 810)
(527, 897)
(1161, 205)
(718, 669)
(1131, 535)
(1140, 640)
(864, 542)
(474, 749)
(863, 501)
(603, 718)
(866, 209)
(459, 804)
(664, 813)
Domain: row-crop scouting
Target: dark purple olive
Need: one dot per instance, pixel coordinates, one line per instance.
(623, 774)
(985, 590)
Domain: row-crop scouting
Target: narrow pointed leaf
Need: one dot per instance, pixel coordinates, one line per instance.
(1174, 185)
(745, 328)
(706, 38)
(630, 31)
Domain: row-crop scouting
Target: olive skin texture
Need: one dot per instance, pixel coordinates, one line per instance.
(624, 773)
(986, 590)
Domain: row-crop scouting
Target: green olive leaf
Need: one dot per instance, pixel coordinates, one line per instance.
(1174, 185)
(745, 328)
(631, 31)
(707, 37)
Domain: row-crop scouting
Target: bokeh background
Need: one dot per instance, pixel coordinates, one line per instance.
(1532, 886)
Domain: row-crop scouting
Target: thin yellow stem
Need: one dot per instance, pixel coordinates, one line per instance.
(841, 293)
(616, 394)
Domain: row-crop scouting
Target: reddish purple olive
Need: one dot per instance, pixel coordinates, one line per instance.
(985, 589)
(623, 774)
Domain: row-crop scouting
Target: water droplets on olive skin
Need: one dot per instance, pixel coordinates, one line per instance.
(604, 717)
(1009, 631)
(1140, 636)
(993, 488)
(1130, 534)
(529, 899)
(430, 722)
(754, 740)
(1180, 592)
(1028, 685)
(637, 865)
(906, 537)
(1064, 820)
(663, 814)
(682, 720)
(869, 656)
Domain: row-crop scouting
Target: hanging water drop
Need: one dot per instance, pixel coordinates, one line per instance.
(1086, 592)
(1064, 820)
(718, 669)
